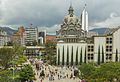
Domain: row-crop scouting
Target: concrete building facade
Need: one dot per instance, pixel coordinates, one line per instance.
(4, 38)
(77, 44)
(42, 37)
(30, 35)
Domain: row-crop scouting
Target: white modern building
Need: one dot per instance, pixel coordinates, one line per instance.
(42, 36)
(77, 45)
(40, 40)
(30, 35)
(84, 19)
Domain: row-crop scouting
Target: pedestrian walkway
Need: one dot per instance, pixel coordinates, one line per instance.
(63, 71)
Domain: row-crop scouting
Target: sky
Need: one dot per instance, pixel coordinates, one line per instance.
(49, 14)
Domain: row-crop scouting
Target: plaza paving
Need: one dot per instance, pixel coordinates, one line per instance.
(64, 70)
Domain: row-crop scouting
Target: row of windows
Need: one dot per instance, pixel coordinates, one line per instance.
(90, 48)
(109, 40)
(71, 40)
(108, 48)
(90, 57)
(108, 56)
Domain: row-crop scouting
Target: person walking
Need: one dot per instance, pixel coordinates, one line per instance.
(67, 75)
(58, 76)
(80, 80)
(41, 80)
(71, 76)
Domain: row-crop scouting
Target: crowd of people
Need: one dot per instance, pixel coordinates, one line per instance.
(53, 73)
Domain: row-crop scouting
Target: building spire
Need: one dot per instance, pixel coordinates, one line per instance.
(85, 6)
(71, 9)
(84, 19)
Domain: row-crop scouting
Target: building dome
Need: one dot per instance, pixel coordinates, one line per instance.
(71, 30)
(70, 19)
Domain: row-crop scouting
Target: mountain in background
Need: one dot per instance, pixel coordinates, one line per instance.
(9, 30)
(99, 30)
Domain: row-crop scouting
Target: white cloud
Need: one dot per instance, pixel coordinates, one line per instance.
(51, 29)
(112, 15)
(111, 22)
(51, 12)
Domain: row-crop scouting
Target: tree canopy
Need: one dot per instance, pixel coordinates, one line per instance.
(26, 73)
(10, 58)
(50, 49)
(104, 72)
(6, 55)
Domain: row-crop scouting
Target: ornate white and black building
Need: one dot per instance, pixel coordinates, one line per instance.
(74, 29)
(77, 45)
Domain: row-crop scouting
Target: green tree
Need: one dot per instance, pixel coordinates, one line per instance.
(99, 55)
(50, 49)
(116, 58)
(86, 70)
(18, 57)
(18, 50)
(5, 76)
(97, 75)
(76, 56)
(72, 56)
(102, 55)
(111, 71)
(58, 56)
(67, 56)
(81, 56)
(18, 60)
(6, 55)
(85, 56)
(105, 72)
(63, 59)
(26, 73)
(11, 57)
